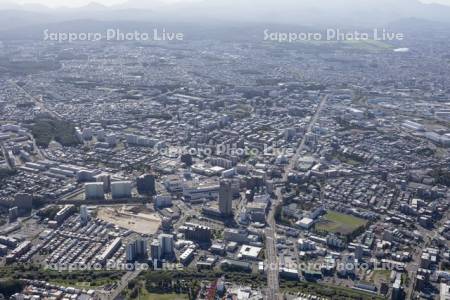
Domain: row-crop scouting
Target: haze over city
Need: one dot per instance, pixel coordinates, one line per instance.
(224, 149)
(77, 3)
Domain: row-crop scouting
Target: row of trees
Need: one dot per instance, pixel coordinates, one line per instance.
(9, 287)
(33, 272)
(46, 129)
(329, 292)
(186, 282)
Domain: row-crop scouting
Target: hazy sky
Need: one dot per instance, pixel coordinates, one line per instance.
(74, 3)
(446, 2)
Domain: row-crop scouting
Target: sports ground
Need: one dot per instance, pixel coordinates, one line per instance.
(334, 222)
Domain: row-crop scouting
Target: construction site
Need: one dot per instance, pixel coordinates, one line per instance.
(137, 218)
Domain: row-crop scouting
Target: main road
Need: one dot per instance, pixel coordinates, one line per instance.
(38, 102)
(121, 285)
(9, 161)
(272, 266)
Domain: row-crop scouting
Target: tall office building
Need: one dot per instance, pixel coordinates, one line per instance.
(121, 189)
(359, 252)
(196, 232)
(13, 214)
(141, 247)
(166, 244)
(226, 198)
(106, 180)
(84, 214)
(111, 139)
(136, 250)
(131, 252)
(146, 184)
(94, 191)
(100, 135)
(187, 159)
(87, 134)
(398, 293)
(155, 250)
(23, 201)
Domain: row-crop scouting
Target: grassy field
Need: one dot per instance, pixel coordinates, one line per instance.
(79, 285)
(335, 222)
(378, 276)
(164, 297)
(145, 295)
(347, 160)
(83, 284)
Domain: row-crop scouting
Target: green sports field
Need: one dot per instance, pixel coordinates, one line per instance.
(164, 297)
(334, 222)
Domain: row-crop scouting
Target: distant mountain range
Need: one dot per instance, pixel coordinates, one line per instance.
(304, 12)
(312, 13)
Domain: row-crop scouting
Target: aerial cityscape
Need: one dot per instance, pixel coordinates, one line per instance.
(253, 161)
